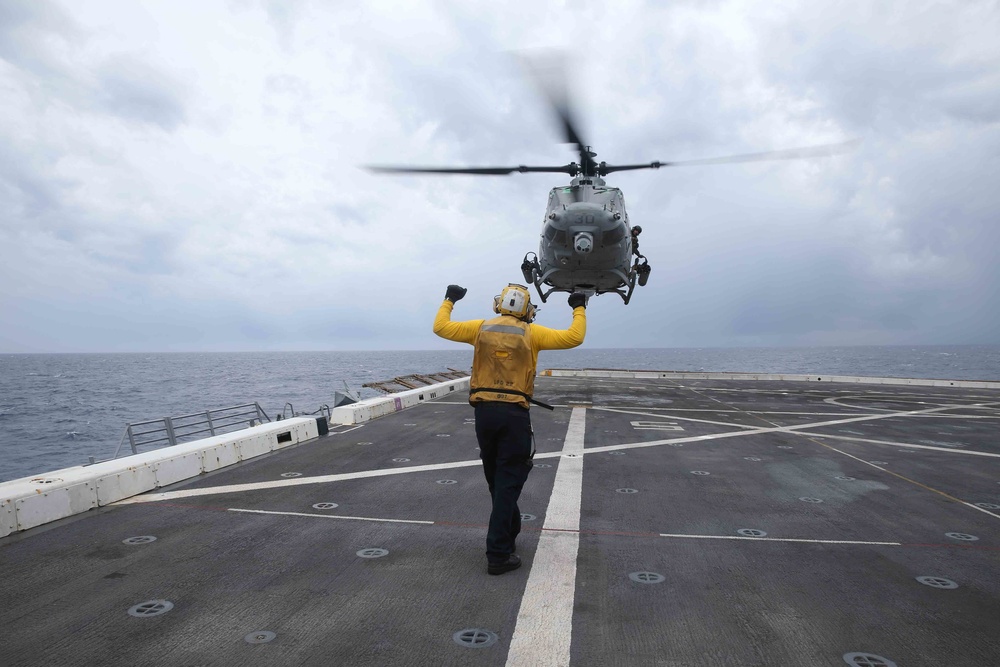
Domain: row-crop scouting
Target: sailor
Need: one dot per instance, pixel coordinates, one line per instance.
(503, 379)
(635, 240)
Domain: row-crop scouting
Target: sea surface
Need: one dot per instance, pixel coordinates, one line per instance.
(56, 410)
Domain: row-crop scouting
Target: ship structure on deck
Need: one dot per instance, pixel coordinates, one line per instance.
(669, 519)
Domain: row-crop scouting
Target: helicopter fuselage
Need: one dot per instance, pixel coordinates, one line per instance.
(586, 242)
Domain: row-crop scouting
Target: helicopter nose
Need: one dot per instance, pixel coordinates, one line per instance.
(583, 242)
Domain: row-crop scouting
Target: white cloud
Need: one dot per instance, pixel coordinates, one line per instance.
(174, 177)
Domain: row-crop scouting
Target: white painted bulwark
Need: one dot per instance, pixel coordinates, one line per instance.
(51, 504)
(373, 408)
(219, 456)
(124, 482)
(253, 446)
(33, 501)
(680, 375)
(177, 468)
(8, 520)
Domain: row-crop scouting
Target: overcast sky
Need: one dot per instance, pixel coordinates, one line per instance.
(185, 175)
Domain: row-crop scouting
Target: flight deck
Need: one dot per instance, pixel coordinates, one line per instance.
(667, 521)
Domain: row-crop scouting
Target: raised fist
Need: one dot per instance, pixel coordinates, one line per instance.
(455, 293)
(577, 299)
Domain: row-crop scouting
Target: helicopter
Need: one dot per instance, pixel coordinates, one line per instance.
(587, 242)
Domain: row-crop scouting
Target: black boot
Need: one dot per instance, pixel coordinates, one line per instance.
(512, 563)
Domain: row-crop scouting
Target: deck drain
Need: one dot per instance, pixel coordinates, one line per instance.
(528, 517)
(844, 478)
(151, 608)
(751, 532)
(937, 582)
(409, 424)
(291, 474)
(750, 458)
(616, 453)
(475, 638)
(259, 637)
(785, 447)
(867, 660)
(646, 577)
(627, 490)
(324, 506)
(700, 472)
(962, 536)
(987, 506)
(879, 463)
(400, 460)
(676, 444)
(806, 499)
(446, 481)
(444, 435)
(373, 553)
(365, 443)
(543, 465)
(139, 539)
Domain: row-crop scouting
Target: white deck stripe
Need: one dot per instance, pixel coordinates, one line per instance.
(330, 516)
(278, 484)
(777, 539)
(544, 628)
(904, 445)
(340, 477)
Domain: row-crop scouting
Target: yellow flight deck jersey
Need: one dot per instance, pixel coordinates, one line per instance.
(503, 368)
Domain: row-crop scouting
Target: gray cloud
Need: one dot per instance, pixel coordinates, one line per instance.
(200, 190)
(133, 90)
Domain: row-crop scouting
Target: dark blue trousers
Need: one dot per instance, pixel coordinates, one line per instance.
(505, 446)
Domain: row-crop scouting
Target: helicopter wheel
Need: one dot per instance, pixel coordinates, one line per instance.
(643, 271)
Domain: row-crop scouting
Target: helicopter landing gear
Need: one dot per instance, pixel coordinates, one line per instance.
(642, 270)
(532, 270)
(530, 267)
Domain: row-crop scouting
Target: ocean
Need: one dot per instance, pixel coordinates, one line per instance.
(56, 410)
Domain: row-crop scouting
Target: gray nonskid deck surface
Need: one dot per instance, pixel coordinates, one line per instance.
(672, 472)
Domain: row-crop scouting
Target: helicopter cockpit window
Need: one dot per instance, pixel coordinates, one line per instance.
(555, 235)
(613, 235)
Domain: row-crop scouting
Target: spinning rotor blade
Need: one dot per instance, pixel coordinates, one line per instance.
(570, 169)
(825, 150)
(548, 71)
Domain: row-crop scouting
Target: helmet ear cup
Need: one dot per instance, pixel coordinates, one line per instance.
(496, 304)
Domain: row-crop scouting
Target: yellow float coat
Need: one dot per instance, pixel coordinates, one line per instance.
(505, 358)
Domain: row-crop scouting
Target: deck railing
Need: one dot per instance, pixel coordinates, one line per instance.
(167, 431)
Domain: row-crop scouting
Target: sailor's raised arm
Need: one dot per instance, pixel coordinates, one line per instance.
(543, 338)
(460, 332)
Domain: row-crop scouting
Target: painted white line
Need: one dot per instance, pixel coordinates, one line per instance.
(364, 474)
(331, 516)
(755, 431)
(905, 445)
(777, 539)
(544, 627)
(641, 408)
(672, 416)
(878, 467)
(299, 481)
(348, 430)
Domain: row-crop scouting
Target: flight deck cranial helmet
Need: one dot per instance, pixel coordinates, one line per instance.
(515, 300)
